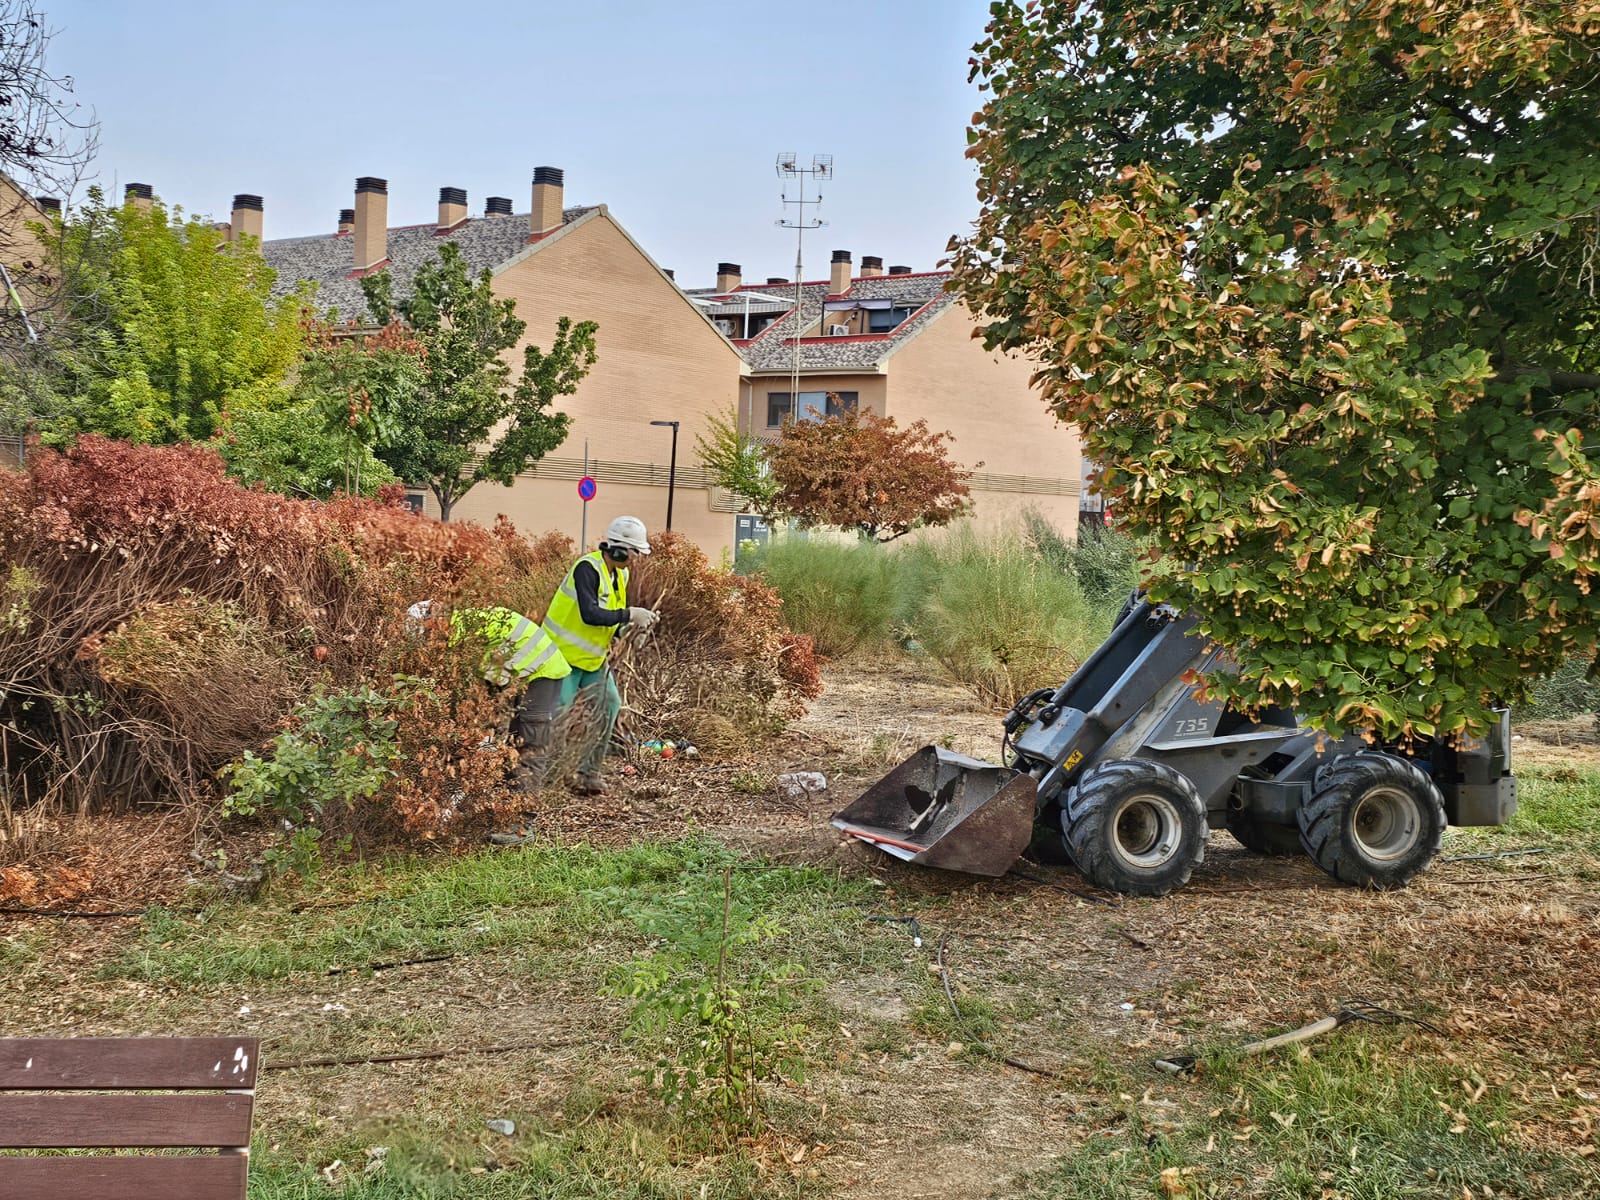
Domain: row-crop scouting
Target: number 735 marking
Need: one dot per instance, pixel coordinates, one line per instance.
(1188, 725)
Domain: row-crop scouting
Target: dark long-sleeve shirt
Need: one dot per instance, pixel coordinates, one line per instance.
(586, 582)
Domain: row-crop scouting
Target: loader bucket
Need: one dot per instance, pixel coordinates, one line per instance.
(946, 810)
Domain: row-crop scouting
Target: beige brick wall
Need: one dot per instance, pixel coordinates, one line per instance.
(658, 359)
(982, 398)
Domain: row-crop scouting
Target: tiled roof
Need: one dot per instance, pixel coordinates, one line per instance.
(773, 349)
(328, 259)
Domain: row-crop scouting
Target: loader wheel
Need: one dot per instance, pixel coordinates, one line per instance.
(1264, 837)
(1375, 821)
(1135, 826)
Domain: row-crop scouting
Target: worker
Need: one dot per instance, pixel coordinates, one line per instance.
(585, 614)
(517, 653)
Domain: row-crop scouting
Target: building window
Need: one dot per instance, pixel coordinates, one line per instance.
(814, 406)
(885, 320)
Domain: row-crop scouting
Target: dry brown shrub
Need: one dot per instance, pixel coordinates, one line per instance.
(720, 647)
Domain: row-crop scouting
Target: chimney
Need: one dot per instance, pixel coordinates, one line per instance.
(452, 207)
(728, 277)
(670, 274)
(139, 195)
(899, 270)
(247, 217)
(347, 220)
(547, 189)
(871, 267)
(372, 222)
(839, 275)
(497, 206)
(776, 279)
(48, 205)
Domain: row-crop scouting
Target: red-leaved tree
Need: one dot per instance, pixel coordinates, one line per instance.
(859, 471)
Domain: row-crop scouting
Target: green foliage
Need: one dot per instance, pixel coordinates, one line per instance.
(737, 462)
(720, 1009)
(1314, 282)
(174, 325)
(1000, 616)
(467, 392)
(1569, 691)
(846, 597)
(288, 450)
(997, 619)
(859, 471)
(1105, 562)
(339, 748)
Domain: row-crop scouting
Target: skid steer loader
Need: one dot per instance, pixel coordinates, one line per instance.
(1123, 772)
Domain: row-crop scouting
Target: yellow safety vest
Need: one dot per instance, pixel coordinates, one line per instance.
(518, 648)
(585, 646)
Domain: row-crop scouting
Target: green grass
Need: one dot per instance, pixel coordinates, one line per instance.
(1557, 807)
(997, 618)
(1356, 1118)
(848, 596)
(999, 613)
(544, 895)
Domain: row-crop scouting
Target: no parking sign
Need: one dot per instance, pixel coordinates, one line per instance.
(587, 488)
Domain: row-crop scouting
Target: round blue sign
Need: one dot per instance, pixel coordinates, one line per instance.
(586, 488)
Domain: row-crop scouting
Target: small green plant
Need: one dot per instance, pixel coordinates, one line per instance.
(337, 749)
(720, 1014)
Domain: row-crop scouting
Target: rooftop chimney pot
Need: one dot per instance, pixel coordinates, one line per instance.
(728, 277)
(371, 231)
(49, 204)
(839, 276)
(871, 266)
(548, 190)
(776, 279)
(140, 195)
(347, 220)
(497, 206)
(899, 270)
(247, 217)
(452, 207)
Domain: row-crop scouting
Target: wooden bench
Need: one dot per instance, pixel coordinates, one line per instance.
(124, 1094)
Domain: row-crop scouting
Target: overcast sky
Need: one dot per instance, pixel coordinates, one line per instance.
(671, 113)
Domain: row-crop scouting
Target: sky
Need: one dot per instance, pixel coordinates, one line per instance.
(671, 114)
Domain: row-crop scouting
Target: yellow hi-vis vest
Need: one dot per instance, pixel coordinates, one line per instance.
(585, 646)
(517, 648)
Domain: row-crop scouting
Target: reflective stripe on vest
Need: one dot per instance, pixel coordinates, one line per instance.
(519, 649)
(584, 646)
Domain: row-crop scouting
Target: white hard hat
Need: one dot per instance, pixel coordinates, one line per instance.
(629, 532)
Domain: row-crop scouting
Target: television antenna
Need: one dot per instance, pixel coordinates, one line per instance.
(798, 182)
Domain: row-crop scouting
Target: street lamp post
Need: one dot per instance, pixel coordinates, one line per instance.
(672, 469)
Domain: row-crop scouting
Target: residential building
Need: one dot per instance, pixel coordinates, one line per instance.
(902, 345)
(660, 358)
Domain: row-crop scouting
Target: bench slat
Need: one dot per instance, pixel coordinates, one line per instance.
(62, 1122)
(39, 1064)
(110, 1177)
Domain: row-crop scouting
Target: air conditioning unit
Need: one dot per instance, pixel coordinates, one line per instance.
(838, 330)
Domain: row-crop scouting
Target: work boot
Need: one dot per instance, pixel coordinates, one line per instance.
(590, 785)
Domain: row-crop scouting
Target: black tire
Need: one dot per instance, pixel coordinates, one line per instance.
(1264, 837)
(1048, 847)
(1374, 821)
(1135, 826)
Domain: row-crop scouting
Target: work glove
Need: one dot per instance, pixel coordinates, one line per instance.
(642, 619)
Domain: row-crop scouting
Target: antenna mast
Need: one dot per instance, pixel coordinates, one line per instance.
(799, 178)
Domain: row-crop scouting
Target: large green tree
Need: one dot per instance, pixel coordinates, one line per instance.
(169, 325)
(1316, 280)
(473, 419)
